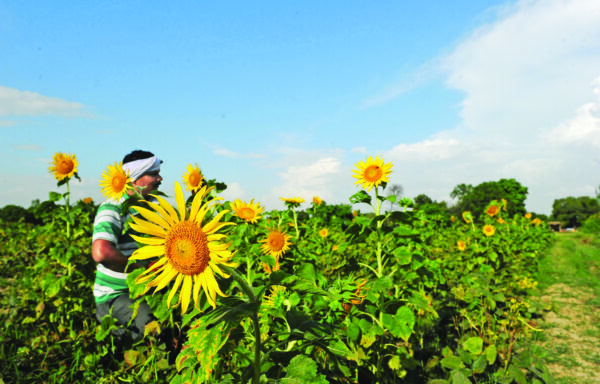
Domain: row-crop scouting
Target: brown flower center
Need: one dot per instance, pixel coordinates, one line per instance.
(187, 248)
(373, 173)
(118, 182)
(246, 213)
(65, 166)
(276, 241)
(194, 179)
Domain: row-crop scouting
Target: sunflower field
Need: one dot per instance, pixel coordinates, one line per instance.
(315, 293)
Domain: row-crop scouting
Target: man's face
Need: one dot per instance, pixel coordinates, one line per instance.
(148, 182)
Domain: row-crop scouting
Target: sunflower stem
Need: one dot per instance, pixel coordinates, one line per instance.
(247, 288)
(379, 224)
(67, 212)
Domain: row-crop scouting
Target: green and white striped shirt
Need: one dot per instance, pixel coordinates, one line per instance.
(108, 225)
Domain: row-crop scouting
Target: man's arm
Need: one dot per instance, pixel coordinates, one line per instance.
(105, 252)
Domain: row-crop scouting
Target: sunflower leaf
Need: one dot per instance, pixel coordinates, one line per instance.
(360, 197)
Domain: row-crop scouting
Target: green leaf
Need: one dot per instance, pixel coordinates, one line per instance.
(490, 354)
(402, 255)
(452, 362)
(479, 364)
(54, 196)
(459, 378)
(401, 324)
(360, 197)
(474, 345)
(302, 369)
(206, 344)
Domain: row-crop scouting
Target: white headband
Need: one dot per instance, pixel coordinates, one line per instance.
(137, 168)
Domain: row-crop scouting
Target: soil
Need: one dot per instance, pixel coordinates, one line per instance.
(571, 334)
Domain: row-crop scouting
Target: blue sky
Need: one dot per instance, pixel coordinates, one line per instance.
(281, 99)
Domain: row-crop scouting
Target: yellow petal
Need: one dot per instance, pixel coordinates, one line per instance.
(148, 252)
(207, 292)
(168, 274)
(174, 289)
(167, 207)
(197, 286)
(210, 227)
(148, 228)
(161, 211)
(197, 203)
(180, 201)
(152, 217)
(149, 240)
(186, 293)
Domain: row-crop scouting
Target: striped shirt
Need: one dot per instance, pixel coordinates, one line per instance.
(108, 225)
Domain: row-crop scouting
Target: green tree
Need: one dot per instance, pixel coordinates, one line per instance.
(573, 211)
(475, 199)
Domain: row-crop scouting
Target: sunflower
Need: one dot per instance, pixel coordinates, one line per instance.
(489, 230)
(64, 165)
(292, 202)
(317, 200)
(192, 178)
(334, 247)
(188, 250)
(461, 245)
(372, 173)
(467, 217)
(536, 221)
(276, 243)
(87, 200)
(115, 181)
(248, 212)
(324, 232)
(492, 210)
(528, 215)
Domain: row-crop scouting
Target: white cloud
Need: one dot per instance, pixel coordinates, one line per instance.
(234, 191)
(236, 155)
(528, 69)
(584, 127)
(29, 147)
(24, 103)
(318, 177)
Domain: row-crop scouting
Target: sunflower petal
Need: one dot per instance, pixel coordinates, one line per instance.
(152, 216)
(148, 240)
(168, 208)
(145, 227)
(148, 252)
(174, 289)
(180, 201)
(186, 293)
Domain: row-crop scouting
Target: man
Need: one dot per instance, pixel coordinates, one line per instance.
(111, 246)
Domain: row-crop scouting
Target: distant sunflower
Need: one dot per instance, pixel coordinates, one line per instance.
(489, 230)
(192, 178)
(248, 212)
(372, 172)
(276, 243)
(467, 217)
(115, 181)
(461, 245)
(317, 200)
(323, 232)
(87, 200)
(64, 165)
(528, 215)
(334, 247)
(292, 202)
(492, 210)
(188, 250)
(536, 221)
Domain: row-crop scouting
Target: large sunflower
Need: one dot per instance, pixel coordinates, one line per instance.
(248, 212)
(192, 178)
(188, 250)
(115, 181)
(372, 172)
(276, 243)
(64, 165)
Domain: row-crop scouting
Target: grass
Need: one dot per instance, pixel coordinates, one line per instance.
(569, 283)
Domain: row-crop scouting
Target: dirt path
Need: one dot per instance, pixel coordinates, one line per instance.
(571, 334)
